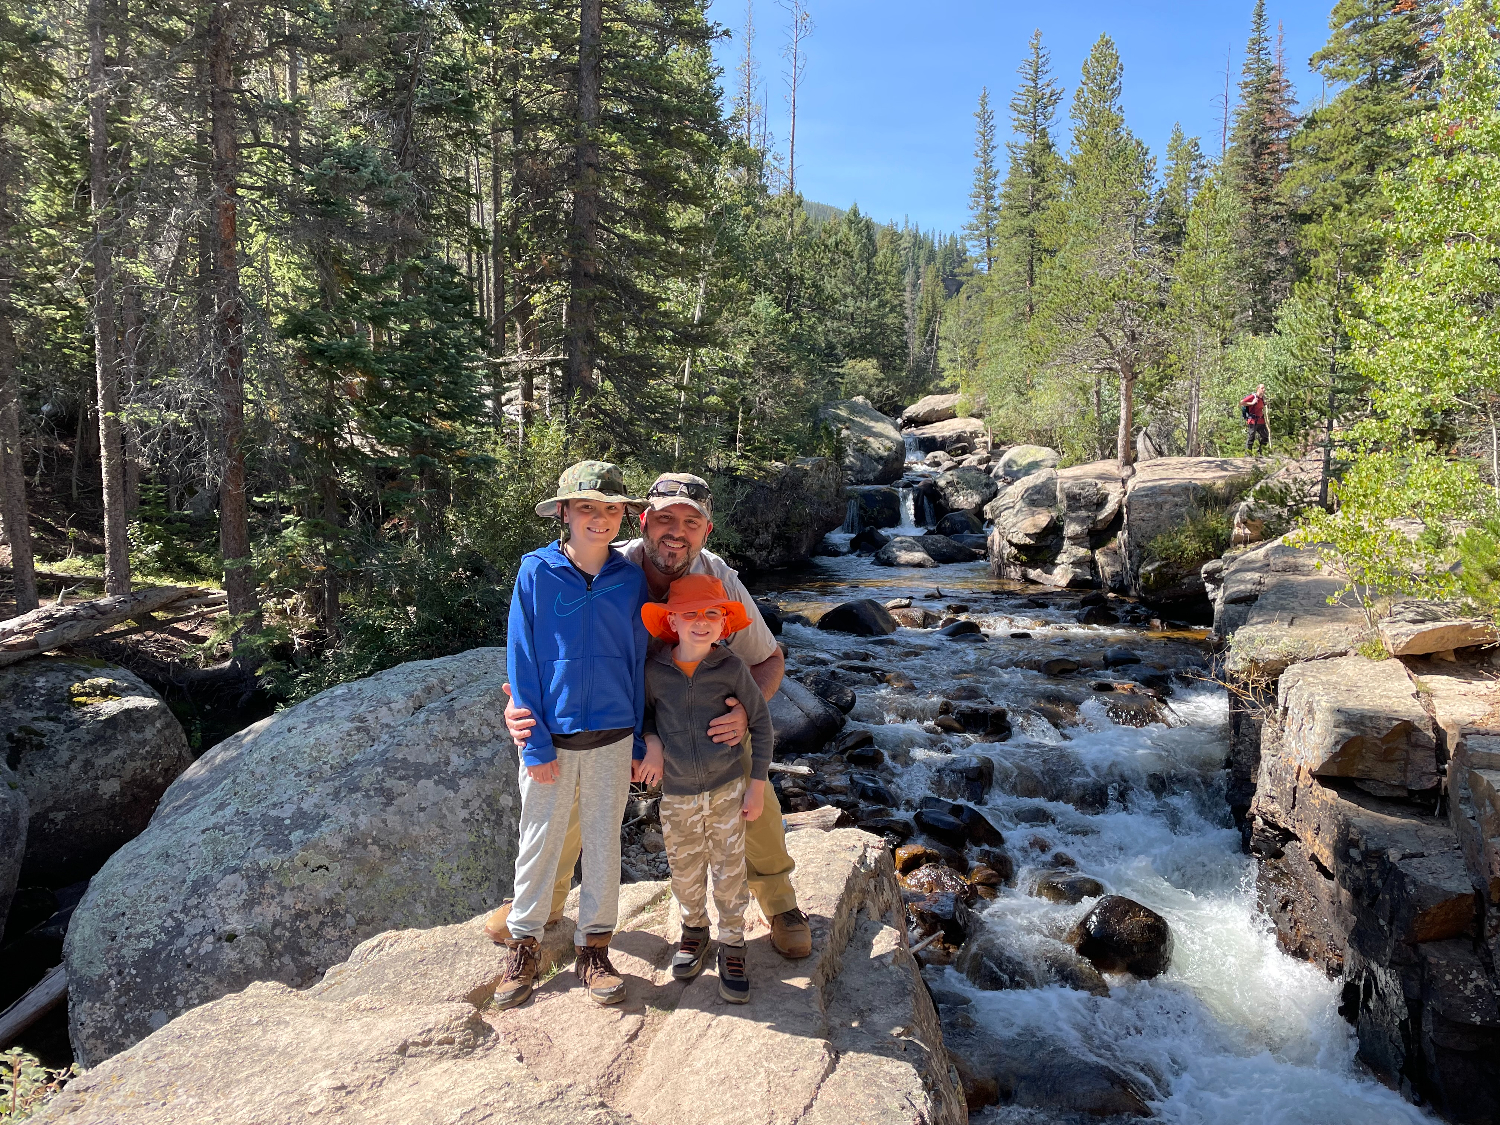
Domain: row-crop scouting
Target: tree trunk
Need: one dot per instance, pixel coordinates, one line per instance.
(584, 266)
(106, 342)
(229, 325)
(1124, 449)
(13, 515)
(12, 465)
(525, 316)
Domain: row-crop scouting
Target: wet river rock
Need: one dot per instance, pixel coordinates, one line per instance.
(1065, 886)
(1121, 935)
(1034, 1072)
(830, 690)
(942, 549)
(864, 617)
(905, 551)
(804, 722)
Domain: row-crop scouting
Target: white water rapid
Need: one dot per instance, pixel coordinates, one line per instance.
(1235, 1032)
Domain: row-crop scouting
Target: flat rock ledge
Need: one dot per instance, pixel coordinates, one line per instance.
(404, 1030)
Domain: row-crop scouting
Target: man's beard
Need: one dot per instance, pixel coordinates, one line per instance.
(689, 556)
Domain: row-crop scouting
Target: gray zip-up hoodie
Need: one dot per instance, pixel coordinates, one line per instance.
(679, 709)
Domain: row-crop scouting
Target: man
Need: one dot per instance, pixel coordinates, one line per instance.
(1253, 411)
(674, 528)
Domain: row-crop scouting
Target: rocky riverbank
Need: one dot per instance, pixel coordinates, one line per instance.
(1365, 790)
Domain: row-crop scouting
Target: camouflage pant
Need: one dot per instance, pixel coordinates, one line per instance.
(706, 832)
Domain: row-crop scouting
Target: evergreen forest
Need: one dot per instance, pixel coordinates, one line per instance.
(311, 299)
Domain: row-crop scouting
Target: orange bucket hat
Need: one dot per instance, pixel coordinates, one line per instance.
(690, 592)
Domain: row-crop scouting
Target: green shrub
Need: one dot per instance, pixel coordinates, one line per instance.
(1202, 536)
(26, 1085)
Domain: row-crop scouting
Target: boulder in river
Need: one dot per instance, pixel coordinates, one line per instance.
(948, 435)
(905, 551)
(964, 490)
(1066, 887)
(14, 814)
(1034, 1072)
(942, 549)
(868, 540)
(963, 778)
(959, 523)
(804, 722)
(1120, 935)
(864, 617)
(931, 408)
(387, 801)
(94, 748)
(874, 450)
(781, 514)
(830, 690)
(1022, 460)
(915, 618)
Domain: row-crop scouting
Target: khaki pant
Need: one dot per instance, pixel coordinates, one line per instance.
(767, 863)
(705, 832)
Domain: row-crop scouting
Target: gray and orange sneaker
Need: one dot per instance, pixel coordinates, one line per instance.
(692, 951)
(734, 982)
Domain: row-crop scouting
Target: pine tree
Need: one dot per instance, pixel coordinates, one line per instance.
(1185, 173)
(984, 205)
(1104, 288)
(1259, 152)
(1035, 173)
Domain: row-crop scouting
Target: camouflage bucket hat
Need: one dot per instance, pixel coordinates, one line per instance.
(589, 480)
(681, 488)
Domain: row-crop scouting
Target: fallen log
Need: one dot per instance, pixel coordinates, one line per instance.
(40, 999)
(52, 626)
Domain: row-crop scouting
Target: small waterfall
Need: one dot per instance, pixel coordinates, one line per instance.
(914, 452)
(909, 509)
(851, 518)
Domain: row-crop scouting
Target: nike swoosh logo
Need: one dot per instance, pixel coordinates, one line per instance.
(568, 608)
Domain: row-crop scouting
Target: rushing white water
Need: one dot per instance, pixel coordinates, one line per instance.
(1235, 1032)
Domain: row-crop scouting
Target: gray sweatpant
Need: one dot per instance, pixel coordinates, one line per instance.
(601, 780)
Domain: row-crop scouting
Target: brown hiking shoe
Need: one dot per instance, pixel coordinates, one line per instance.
(791, 936)
(595, 972)
(497, 928)
(520, 973)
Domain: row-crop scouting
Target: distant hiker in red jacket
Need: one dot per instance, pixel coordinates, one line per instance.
(1253, 411)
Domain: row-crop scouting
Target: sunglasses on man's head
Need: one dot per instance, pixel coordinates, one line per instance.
(707, 615)
(681, 488)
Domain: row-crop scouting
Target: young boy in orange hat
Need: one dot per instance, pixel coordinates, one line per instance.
(706, 800)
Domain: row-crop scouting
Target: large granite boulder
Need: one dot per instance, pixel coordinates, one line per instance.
(14, 814)
(949, 434)
(1058, 526)
(403, 1030)
(1120, 935)
(1358, 719)
(874, 450)
(929, 409)
(1022, 460)
(1163, 496)
(387, 801)
(779, 517)
(942, 549)
(1423, 628)
(964, 490)
(94, 748)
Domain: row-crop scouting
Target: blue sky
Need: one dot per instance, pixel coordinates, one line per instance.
(885, 114)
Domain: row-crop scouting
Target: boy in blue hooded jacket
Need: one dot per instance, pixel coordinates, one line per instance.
(576, 653)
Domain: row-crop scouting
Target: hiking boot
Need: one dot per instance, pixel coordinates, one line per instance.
(734, 984)
(520, 973)
(791, 936)
(692, 951)
(496, 926)
(596, 973)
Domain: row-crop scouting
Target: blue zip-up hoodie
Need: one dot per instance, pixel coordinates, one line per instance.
(576, 650)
